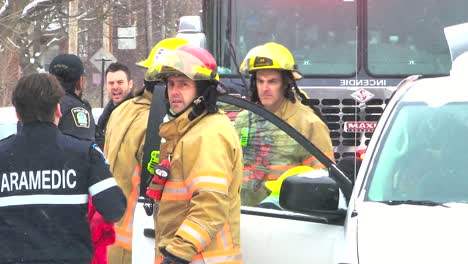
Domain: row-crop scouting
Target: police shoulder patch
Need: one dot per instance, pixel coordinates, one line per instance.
(81, 117)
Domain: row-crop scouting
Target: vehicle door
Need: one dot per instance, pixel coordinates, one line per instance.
(267, 235)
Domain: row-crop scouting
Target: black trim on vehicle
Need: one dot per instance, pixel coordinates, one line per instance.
(340, 217)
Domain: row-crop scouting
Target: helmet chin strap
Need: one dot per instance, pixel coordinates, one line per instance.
(206, 101)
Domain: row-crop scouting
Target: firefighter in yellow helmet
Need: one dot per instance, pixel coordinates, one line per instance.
(125, 136)
(198, 220)
(273, 85)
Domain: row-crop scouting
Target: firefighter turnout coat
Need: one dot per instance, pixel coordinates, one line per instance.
(199, 213)
(269, 151)
(124, 140)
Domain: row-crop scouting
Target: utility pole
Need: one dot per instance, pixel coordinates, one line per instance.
(149, 26)
(73, 27)
(107, 29)
(163, 19)
(106, 45)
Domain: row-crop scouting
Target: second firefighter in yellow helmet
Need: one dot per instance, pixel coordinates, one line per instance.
(270, 55)
(273, 85)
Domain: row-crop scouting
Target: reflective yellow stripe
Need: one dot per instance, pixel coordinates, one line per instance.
(210, 182)
(224, 238)
(207, 173)
(195, 234)
(175, 191)
(232, 256)
(125, 230)
(124, 241)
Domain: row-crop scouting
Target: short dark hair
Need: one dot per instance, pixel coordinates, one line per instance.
(36, 96)
(116, 66)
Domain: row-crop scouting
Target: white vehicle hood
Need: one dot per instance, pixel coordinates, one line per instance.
(412, 233)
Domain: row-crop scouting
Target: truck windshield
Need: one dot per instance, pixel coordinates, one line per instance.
(409, 167)
(320, 43)
(340, 37)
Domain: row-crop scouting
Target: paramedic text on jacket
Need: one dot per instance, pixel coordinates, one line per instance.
(46, 179)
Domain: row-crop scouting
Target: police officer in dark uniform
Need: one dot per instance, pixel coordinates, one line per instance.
(77, 119)
(47, 179)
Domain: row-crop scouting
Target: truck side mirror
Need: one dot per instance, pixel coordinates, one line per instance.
(312, 196)
(191, 29)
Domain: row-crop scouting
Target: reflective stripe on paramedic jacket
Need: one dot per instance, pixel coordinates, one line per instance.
(46, 180)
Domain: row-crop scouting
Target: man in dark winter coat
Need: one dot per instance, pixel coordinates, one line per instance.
(119, 86)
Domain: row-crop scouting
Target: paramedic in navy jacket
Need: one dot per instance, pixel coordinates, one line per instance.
(46, 179)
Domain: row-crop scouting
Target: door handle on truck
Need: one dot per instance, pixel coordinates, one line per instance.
(149, 232)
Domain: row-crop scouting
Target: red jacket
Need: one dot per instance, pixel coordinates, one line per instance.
(102, 234)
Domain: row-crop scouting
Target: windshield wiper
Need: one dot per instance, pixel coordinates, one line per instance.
(414, 202)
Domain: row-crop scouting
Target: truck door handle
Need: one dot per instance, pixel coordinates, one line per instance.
(149, 232)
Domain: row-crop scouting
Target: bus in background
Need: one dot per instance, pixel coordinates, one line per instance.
(352, 53)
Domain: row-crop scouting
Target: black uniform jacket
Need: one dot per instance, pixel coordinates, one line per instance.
(77, 119)
(46, 180)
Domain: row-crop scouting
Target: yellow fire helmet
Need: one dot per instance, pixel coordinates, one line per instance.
(270, 55)
(275, 185)
(194, 62)
(161, 48)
